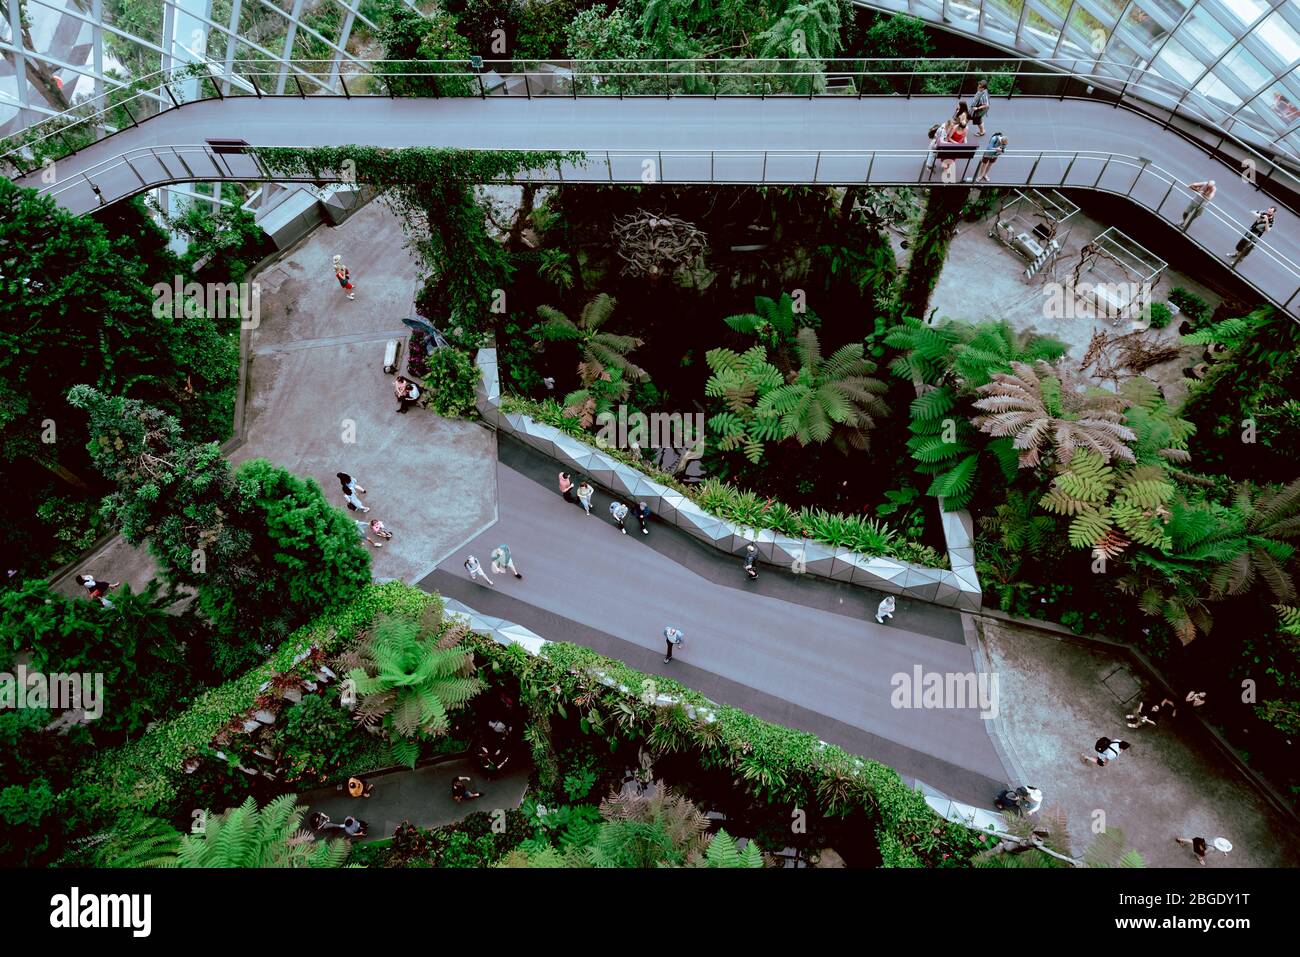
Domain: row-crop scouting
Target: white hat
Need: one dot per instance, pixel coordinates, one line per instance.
(1223, 844)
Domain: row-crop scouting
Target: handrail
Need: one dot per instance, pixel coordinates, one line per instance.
(819, 159)
(587, 76)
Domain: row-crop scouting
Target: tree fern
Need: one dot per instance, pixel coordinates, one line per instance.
(251, 837)
(723, 852)
(410, 674)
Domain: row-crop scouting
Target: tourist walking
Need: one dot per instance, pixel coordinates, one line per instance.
(503, 562)
(407, 392)
(642, 516)
(1106, 752)
(358, 788)
(672, 636)
(475, 569)
(1150, 714)
(885, 609)
(996, 147)
(1195, 698)
(1262, 224)
(751, 562)
(618, 511)
(585, 492)
(979, 106)
(350, 489)
(1199, 846)
(98, 590)
(1204, 192)
(364, 530)
(354, 827)
(566, 487)
(344, 276)
(460, 789)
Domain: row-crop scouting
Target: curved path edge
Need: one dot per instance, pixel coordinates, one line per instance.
(956, 588)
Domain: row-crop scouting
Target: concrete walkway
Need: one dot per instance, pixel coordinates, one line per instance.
(801, 652)
(826, 140)
(421, 796)
(1173, 782)
(319, 403)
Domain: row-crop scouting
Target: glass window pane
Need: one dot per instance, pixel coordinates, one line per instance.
(1245, 12)
(1144, 31)
(1087, 31)
(1281, 39)
(1244, 68)
(1001, 17)
(1177, 62)
(1120, 52)
(1040, 34)
(1278, 106)
(1291, 144)
(964, 16)
(1107, 10)
(1218, 93)
(1203, 29)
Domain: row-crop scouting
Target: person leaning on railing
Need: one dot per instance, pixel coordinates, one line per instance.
(1204, 191)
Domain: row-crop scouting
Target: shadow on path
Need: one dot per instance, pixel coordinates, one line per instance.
(421, 796)
(800, 652)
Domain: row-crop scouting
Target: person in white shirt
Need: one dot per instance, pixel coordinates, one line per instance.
(885, 609)
(475, 569)
(672, 636)
(1204, 191)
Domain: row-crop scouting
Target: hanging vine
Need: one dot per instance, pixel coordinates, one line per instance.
(432, 190)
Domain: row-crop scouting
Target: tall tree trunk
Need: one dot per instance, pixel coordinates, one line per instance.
(72, 478)
(930, 244)
(522, 216)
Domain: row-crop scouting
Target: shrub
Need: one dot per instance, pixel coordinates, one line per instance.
(148, 774)
(1196, 309)
(772, 764)
(1161, 315)
(452, 380)
(745, 507)
(316, 738)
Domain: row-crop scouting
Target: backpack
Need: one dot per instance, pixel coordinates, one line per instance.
(1101, 745)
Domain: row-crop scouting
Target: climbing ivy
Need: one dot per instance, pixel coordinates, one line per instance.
(432, 189)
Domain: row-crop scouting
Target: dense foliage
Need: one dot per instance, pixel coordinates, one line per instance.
(264, 549)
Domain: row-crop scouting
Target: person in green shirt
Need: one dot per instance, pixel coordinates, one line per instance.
(501, 560)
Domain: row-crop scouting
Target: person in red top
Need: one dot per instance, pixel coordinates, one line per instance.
(566, 488)
(98, 590)
(344, 276)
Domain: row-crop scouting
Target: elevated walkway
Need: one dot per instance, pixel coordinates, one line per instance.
(739, 139)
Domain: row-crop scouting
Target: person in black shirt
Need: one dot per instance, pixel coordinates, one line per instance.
(1262, 224)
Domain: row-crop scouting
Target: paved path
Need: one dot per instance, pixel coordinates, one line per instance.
(724, 140)
(798, 651)
(421, 796)
(319, 403)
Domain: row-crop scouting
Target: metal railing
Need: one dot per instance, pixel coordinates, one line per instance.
(1270, 271)
(1140, 90)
